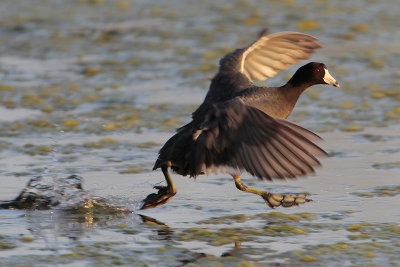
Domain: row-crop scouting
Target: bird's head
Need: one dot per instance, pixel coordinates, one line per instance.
(314, 73)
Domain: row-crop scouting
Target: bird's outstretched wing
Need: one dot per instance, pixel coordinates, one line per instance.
(234, 137)
(274, 52)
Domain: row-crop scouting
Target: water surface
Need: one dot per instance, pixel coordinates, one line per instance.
(95, 87)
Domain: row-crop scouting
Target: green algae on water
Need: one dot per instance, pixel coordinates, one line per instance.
(381, 191)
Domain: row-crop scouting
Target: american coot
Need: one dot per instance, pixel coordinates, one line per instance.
(241, 127)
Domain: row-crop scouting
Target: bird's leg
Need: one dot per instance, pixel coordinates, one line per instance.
(273, 200)
(164, 194)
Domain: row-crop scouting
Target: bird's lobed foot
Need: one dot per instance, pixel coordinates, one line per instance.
(289, 200)
(153, 200)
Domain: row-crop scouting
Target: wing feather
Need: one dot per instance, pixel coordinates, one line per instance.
(235, 136)
(275, 52)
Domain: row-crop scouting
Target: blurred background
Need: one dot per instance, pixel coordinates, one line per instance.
(95, 87)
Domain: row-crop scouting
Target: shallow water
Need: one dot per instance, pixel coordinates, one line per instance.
(90, 87)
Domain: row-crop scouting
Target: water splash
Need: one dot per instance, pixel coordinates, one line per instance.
(66, 195)
(50, 171)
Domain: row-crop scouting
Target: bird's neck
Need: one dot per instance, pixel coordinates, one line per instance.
(293, 89)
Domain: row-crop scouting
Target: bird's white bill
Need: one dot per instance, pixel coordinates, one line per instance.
(329, 79)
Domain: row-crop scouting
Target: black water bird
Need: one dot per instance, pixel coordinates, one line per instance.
(241, 127)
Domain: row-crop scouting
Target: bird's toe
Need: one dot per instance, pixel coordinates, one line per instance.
(157, 199)
(289, 200)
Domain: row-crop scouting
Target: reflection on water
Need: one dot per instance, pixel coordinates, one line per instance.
(76, 224)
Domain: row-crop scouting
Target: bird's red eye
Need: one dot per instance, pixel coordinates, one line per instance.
(316, 70)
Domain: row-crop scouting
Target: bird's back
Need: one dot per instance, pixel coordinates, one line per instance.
(228, 81)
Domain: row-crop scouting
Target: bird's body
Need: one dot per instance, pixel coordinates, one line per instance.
(267, 98)
(240, 127)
